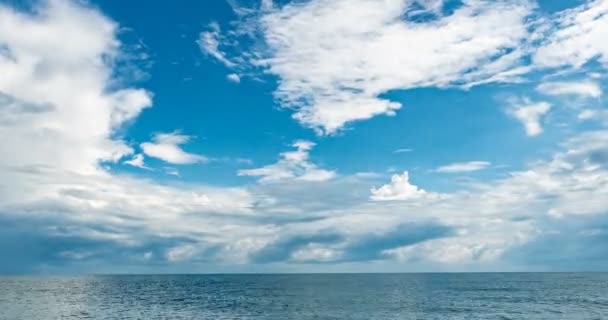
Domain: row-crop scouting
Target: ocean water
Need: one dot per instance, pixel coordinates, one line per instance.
(327, 296)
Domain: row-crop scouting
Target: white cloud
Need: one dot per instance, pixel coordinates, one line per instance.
(594, 114)
(336, 58)
(181, 253)
(492, 218)
(403, 150)
(578, 36)
(166, 147)
(137, 161)
(314, 253)
(464, 167)
(209, 42)
(171, 171)
(60, 103)
(61, 108)
(59, 115)
(581, 88)
(333, 69)
(292, 165)
(234, 77)
(399, 188)
(529, 114)
(574, 179)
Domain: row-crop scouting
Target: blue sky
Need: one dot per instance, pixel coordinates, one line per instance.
(303, 136)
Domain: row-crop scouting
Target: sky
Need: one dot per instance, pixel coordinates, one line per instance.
(303, 136)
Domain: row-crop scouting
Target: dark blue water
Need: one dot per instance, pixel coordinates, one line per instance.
(348, 296)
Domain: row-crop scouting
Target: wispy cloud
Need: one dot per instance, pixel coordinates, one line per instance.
(576, 37)
(209, 42)
(292, 165)
(137, 161)
(403, 150)
(594, 114)
(459, 167)
(171, 171)
(166, 147)
(589, 89)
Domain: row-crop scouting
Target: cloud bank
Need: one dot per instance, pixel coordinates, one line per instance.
(62, 108)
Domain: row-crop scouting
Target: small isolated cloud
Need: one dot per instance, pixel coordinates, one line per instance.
(292, 165)
(403, 150)
(579, 88)
(368, 175)
(171, 171)
(233, 77)
(463, 167)
(166, 147)
(594, 114)
(530, 114)
(400, 188)
(137, 161)
(181, 253)
(243, 161)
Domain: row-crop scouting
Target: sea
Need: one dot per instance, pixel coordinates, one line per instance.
(308, 296)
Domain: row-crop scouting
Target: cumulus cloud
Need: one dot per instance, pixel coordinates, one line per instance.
(335, 59)
(166, 147)
(589, 89)
(400, 188)
(59, 102)
(61, 108)
(464, 167)
(292, 165)
(530, 114)
(334, 69)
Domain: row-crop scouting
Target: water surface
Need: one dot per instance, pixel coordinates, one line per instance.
(326, 296)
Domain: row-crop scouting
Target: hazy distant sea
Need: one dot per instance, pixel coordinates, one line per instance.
(332, 296)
